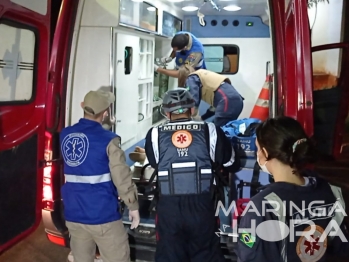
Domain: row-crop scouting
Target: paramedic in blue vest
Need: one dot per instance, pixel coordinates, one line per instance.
(187, 50)
(299, 201)
(183, 151)
(96, 174)
(216, 90)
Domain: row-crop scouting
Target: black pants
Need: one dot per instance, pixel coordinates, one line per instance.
(186, 227)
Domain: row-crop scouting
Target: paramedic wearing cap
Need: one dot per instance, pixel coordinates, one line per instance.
(225, 102)
(183, 152)
(187, 50)
(96, 173)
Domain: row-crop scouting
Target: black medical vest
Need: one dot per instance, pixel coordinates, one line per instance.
(184, 160)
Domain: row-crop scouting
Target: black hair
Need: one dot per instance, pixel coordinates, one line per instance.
(180, 41)
(279, 135)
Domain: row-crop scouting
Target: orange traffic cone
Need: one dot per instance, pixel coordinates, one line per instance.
(261, 108)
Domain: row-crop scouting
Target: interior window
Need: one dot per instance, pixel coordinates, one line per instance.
(17, 53)
(222, 59)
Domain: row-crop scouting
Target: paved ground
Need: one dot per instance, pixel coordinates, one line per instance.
(35, 248)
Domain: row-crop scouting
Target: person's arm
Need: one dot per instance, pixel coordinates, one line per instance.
(122, 175)
(209, 113)
(338, 247)
(194, 86)
(151, 147)
(250, 246)
(173, 54)
(169, 72)
(221, 151)
(193, 59)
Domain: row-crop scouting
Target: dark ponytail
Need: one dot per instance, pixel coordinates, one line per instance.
(285, 140)
(304, 154)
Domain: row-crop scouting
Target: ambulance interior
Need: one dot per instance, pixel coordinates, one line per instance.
(114, 45)
(231, 42)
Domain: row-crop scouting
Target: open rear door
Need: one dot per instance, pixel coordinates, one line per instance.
(24, 55)
(291, 35)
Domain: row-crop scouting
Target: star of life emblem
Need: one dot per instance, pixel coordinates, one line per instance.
(75, 149)
(182, 139)
(311, 249)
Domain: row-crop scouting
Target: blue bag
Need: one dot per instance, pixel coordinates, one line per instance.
(242, 134)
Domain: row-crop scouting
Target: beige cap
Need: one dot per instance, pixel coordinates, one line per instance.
(98, 101)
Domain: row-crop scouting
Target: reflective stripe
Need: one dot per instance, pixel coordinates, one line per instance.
(213, 140)
(155, 143)
(163, 173)
(206, 171)
(88, 179)
(262, 103)
(225, 99)
(339, 216)
(182, 165)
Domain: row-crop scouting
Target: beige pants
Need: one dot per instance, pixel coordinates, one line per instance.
(111, 239)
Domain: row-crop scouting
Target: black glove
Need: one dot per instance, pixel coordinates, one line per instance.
(208, 114)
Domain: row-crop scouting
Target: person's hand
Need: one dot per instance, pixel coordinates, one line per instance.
(156, 67)
(197, 118)
(139, 149)
(209, 113)
(134, 217)
(166, 59)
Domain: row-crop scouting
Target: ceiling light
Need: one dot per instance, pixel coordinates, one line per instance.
(176, 1)
(137, 1)
(189, 8)
(232, 8)
(151, 8)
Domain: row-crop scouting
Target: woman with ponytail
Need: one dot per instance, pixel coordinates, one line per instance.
(293, 218)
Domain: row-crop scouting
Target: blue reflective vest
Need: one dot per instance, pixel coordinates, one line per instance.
(184, 160)
(89, 195)
(197, 47)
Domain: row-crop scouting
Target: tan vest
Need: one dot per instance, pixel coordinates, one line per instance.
(210, 82)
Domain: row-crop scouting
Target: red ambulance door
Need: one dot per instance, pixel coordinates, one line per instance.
(291, 36)
(24, 56)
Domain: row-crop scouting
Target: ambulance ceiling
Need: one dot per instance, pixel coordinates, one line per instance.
(207, 7)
